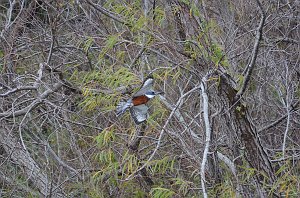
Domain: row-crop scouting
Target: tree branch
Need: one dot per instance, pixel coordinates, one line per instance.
(294, 108)
(34, 104)
(207, 132)
(250, 67)
(24, 88)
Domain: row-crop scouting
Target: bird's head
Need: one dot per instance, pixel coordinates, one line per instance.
(150, 94)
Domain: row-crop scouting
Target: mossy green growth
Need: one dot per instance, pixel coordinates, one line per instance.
(102, 88)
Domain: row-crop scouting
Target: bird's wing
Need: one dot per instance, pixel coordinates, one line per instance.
(147, 85)
(122, 106)
(139, 113)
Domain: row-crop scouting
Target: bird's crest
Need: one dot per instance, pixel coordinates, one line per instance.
(146, 86)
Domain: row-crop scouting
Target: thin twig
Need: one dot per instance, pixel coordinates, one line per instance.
(287, 103)
(279, 119)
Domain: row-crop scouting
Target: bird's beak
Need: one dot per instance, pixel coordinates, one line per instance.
(160, 93)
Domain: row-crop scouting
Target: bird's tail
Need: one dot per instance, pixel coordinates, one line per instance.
(122, 107)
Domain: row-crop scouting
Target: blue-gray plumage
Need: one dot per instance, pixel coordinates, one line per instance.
(137, 104)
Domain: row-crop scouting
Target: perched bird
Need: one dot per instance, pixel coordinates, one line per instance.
(137, 104)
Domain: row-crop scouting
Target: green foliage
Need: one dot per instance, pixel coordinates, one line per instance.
(139, 23)
(139, 194)
(158, 112)
(202, 47)
(161, 166)
(160, 16)
(248, 173)
(186, 2)
(131, 13)
(161, 192)
(106, 157)
(224, 190)
(227, 188)
(170, 73)
(190, 49)
(287, 182)
(217, 54)
(111, 41)
(106, 137)
(132, 189)
(109, 44)
(240, 80)
(130, 163)
(108, 163)
(88, 43)
(297, 90)
(194, 10)
(183, 185)
(120, 56)
(1, 56)
(109, 79)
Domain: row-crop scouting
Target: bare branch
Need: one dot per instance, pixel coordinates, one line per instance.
(207, 132)
(24, 88)
(34, 104)
(279, 119)
(17, 89)
(105, 12)
(228, 162)
(251, 65)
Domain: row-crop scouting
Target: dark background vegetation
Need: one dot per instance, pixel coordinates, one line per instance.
(227, 126)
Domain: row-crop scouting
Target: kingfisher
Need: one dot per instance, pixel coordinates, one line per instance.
(137, 104)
